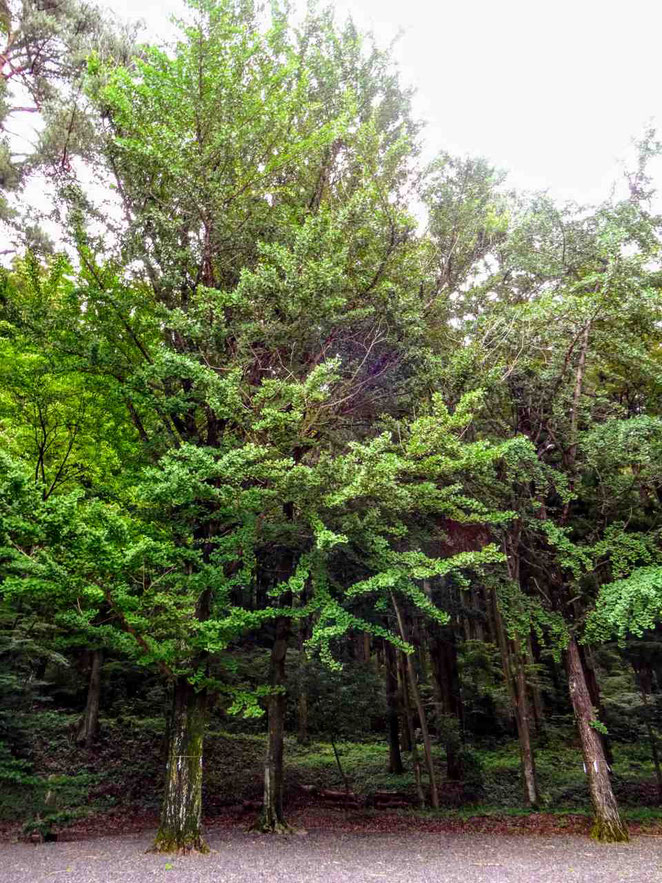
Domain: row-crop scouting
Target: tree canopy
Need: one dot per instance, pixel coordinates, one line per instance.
(251, 400)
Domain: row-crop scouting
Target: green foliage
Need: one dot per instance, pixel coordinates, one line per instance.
(255, 390)
(628, 606)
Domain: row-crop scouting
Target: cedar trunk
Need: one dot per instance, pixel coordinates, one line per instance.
(446, 680)
(416, 696)
(408, 729)
(514, 676)
(523, 721)
(596, 699)
(391, 669)
(536, 696)
(608, 826)
(302, 700)
(88, 729)
(181, 815)
(644, 678)
(272, 819)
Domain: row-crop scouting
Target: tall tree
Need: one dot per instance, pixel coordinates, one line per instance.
(572, 311)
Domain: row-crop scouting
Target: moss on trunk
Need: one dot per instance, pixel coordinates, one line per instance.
(608, 826)
(181, 817)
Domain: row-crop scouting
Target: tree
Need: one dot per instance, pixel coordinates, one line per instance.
(572, 309)
(44, 121)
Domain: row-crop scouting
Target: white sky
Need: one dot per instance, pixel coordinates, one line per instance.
(551, 91)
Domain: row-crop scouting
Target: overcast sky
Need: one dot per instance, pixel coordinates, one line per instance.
(552, 91)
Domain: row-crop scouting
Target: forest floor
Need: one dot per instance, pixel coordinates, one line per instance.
(335, 857)
(115, 788)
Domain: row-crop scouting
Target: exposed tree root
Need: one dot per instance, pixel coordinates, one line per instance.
(265, 825)
(165, 843)
(610, 831)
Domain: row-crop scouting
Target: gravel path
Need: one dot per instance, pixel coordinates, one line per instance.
(340, 858)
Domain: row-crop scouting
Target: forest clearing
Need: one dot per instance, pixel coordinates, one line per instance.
(330, 474)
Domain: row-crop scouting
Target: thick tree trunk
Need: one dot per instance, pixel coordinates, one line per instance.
(391, 669)
(181, 815)
(596, 699)
(272, 820)
(608, 826)
(88, 729)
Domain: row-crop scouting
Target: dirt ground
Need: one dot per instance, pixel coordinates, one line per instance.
(339, 857)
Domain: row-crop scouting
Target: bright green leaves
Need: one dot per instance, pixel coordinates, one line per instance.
(628, 606)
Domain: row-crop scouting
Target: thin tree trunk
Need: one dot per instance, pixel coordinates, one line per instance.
(524, 732)
(652, 740)
(514, 676)
(272, 819)
(343, 775)
(409, 730)
(181, 817)
(514, 672)
(391, 670)
(643, 679)
(302, 718)
(407, 733)
(88, 729)
(608, 826)
(478, 620)
(302, 701)
(413, 685)
(538, 713)
(446, 681)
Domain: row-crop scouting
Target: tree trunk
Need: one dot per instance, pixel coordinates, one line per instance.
(409, 730)
(302, 700)
(446, 680)
(514, 675)
(596, 700)
(643, 677)
(538, 712)
(302, 718)
(181, 816)
(343, 775)
(413, 686)
(391, 669)
(608, 826)
(427, 745)
(655, 754)
(272, 820)
(478, 627)
(88, 729)
(524, 733)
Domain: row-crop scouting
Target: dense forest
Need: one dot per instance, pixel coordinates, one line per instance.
(334, 468)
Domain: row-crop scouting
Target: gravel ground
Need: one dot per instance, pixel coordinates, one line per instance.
(340, 858)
